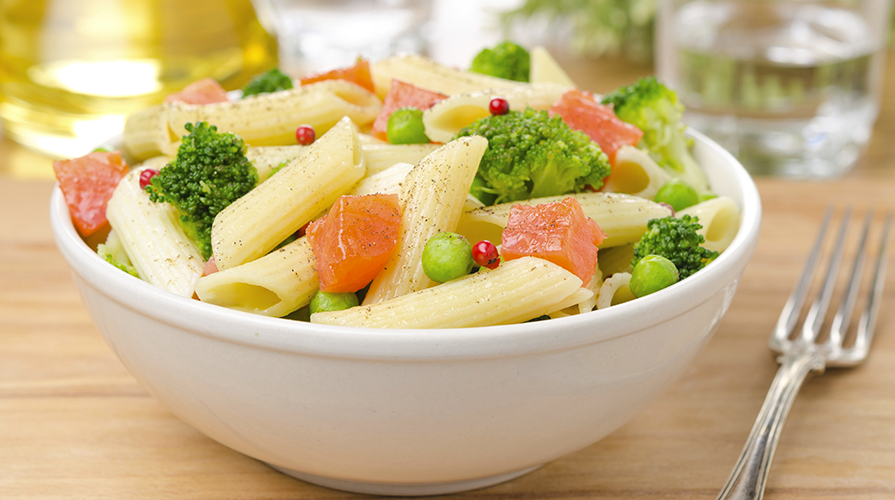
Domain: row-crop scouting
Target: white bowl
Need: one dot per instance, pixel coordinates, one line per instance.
(411, 412)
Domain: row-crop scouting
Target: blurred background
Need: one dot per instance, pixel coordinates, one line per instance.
(72, 70)
(802, 103)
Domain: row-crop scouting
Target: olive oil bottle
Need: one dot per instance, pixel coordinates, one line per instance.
(72, 70)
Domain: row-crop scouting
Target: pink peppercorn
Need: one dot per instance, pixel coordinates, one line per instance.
(146, 177)
(484, 253)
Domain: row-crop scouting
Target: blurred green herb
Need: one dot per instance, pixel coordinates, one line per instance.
(599, 27)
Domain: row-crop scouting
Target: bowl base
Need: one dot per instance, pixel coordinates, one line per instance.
(404, 489)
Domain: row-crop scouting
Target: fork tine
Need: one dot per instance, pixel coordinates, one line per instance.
(843, 315)
(867, 323)
(790, 314)
(815, 318)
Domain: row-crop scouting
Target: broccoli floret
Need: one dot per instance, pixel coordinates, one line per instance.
(111, 260)
(676, 240)
(209, 172)
(531, 154)
(270, 81)
(113, 252)
(654, 108)
(505, 60)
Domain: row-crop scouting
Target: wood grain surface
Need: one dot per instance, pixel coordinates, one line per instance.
(75, 424)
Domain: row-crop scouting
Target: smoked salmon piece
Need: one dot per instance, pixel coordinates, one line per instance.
(358, 74)
(87, 183)
(558, 232)
(581, 112)
(354, 240)
(205, 91)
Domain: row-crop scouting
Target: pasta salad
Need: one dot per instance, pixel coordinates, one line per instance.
(405, 194)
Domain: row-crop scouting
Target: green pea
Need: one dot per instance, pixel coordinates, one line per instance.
(651, 274)
(405, 126)
(103, 149)
(678, 194)
(332, 301)
(447, 256)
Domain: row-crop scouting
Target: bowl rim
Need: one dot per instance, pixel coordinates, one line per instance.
(417, 344)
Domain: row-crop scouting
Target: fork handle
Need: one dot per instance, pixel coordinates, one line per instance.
(750, 474)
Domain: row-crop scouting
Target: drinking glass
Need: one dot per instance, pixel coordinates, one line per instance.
(319, 35)
(790, 87)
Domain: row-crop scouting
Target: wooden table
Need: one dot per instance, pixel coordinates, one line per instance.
(75, 424)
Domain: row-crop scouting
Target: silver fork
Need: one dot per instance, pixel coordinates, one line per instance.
(803, 354)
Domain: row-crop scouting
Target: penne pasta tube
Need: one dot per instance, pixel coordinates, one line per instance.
(544, 69)
(622, 217)
(369, 139)
(256, 223)
(274, 285)
(720, 219)
(422, 72)
(267, 158)
(516, 291)
(616, 259)
(615, 290)
(388, 181)
(152, 238)
(570, 305)
(432, 199)
(447, 117)
(271, 119)
(636, 173)
(377, 156)
(146, 134)
(260, 120)
(590, 303)
(382, 156)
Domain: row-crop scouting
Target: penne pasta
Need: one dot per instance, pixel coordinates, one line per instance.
(720, 219)
(267, 158)
(382, 156)
(377, 156)
(447, 117)
(271, 119)
(151, 235)
(428, 74)
(585, 298)
(260, 120)
(571, 303)
(366, 139)
(256, 223)
(146, 134)
(544, 69)
(300, 183)
(274, 285)
(616, 259)
(622, 217)
(615, 290)
(635, 173)
(432, 199)
(594, 286)
(388, 181)
(516, 291)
